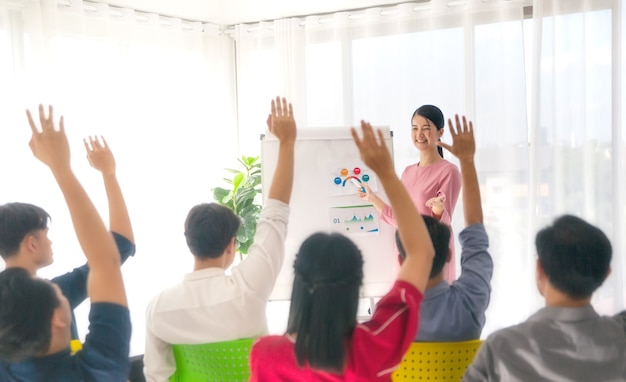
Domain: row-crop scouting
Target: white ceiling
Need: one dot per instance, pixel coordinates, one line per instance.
(230, 12)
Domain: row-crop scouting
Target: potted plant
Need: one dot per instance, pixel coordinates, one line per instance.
(241, 198)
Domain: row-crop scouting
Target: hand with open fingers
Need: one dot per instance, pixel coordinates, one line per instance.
(49, 145)
(373, 150)
(463, 145)
(99, 155)
(281, 122)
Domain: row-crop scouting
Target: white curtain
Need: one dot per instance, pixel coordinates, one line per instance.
(576, 130)
(160, 90)
(541, 81)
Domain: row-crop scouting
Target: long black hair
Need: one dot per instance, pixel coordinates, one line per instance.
(324, 300)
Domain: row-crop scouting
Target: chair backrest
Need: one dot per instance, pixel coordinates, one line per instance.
(436, 361)
(218, 361)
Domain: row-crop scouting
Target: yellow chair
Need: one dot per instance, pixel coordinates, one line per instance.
(436, 361)
(218, 361)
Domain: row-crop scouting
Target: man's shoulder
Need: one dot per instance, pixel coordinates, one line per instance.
(508, 339)
(106, 317)
(166, 296)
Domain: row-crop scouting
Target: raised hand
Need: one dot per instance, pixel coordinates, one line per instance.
(49, 145)
(373, 150)
(99, 155)
(463, 145)
(281, 121)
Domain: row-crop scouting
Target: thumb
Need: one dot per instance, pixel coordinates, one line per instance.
(445, 146)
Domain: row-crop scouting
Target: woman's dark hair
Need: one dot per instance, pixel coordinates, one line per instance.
(324, 300)
(433, 114)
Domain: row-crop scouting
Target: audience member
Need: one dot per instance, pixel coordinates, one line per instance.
(324, 342)
(566, 340)
(210, 305)
(35, 316)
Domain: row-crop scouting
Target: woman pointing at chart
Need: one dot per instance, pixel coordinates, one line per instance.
(433, 183)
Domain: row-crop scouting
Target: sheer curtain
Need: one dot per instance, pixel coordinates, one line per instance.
(577, 131)
(160, 90)
(542, 83)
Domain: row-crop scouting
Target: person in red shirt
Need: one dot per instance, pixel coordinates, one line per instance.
(324, 342)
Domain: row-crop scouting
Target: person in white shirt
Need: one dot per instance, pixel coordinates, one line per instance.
(209, 305)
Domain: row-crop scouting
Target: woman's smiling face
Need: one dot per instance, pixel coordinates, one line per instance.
(424, 133)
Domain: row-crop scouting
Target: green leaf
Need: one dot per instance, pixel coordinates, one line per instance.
(237, 181)
(220, 193)
(251, 160)
(242, 198)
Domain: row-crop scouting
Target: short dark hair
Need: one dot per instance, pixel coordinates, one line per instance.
(27, 305)
(209, 228)
(574, 255)
(17, 220)
(440, 236)
(324, 299)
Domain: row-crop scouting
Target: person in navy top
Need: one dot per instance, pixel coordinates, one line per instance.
(35, 315)
(18, 248)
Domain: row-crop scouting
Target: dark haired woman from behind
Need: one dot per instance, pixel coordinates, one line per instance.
(324, 341)
(433, 182)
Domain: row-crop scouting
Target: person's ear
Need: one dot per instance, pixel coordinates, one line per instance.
(232, 245)
(58, 321)
(540, 277)
(29, 243)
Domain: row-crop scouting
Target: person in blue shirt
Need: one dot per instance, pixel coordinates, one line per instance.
(24, 230)
(35, 316)
(456, 312)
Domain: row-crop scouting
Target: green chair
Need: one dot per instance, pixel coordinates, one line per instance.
(436, 361)
(218, 361)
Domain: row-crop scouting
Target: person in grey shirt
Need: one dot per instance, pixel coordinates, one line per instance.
(566, 340)
(456, 312)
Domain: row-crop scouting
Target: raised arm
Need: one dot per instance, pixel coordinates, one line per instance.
(282, 124)
(411, 227)
(101, 158)
(50, 146)
(463, 147)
